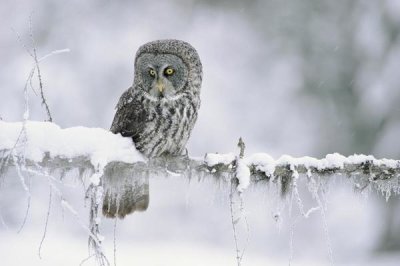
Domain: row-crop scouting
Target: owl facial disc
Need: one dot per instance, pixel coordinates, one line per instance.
(162, 75)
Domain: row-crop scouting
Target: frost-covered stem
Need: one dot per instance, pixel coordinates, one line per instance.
(115, 241)
(44, 102)
(314, 187)
(238, 183)
(234, 221)
(26, 98)
(295, 195)
(326, 229)
(20, 175)
(18, 158)
(95, 193)
(47, 221)
(40, 171)
(55, 52)
(242, 212)
(292, 227)
(86, 259)
(28, 207)
(93, 241)
(22, 137)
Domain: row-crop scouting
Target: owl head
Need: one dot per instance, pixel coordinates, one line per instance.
(167, 68)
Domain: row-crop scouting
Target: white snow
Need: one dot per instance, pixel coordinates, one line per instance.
(98, 144)
(95, 178)
(334, 160)
(243, 174)
(263, 162)
(212, 159)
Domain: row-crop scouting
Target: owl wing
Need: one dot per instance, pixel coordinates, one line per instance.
(129, 120)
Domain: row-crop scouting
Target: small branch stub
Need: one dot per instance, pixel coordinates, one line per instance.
(241, 146)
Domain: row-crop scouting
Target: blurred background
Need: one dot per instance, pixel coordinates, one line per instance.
(291, 77)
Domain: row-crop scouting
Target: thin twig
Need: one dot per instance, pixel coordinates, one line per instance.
(46, 224)
(44, 102)
(94, 241)
(292, 227)
(86, 259)
(115, 241)
(6, 160)
(55, 52)
(234, 221)
(21, 176)
(314, 190)
(326, 229)
(21, 42)
(27, 208)
(241, 146)
(242, 211)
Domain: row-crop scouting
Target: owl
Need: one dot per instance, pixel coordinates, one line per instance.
(158, 112)
(160, 109)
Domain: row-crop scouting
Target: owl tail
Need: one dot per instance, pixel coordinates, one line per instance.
(126, 202)
(125, 193)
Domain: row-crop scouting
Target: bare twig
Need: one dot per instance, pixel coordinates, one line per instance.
(95, 194)
(55, 52)
(115, 241)
(295, 195)
(21, 42)
(234, 221)
(314, 191)
(86, 259)
(46, 223)
(241, 146)
(35, 57)
(28, 207)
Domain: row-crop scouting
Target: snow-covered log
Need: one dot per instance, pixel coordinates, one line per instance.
(46, 145)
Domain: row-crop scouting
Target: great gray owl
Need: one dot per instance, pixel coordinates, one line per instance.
(158, 112)
(160, 109)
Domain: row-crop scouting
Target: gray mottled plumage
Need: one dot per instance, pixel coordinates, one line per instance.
(159, 111)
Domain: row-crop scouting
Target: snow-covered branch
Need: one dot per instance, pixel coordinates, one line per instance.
(48, 146)
(118, 183)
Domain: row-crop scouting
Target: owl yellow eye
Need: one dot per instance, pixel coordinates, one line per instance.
(152, 72)
(169, 71)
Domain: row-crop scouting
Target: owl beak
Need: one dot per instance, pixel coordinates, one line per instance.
(160, 86)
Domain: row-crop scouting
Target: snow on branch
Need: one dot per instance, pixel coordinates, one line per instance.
(51, 147)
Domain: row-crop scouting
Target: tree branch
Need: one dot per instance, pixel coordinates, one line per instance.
(366, 170)
(98, 156)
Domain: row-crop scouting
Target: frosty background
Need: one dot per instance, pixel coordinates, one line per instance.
(291, 77)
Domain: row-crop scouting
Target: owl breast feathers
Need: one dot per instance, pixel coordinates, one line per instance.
(160, 109)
